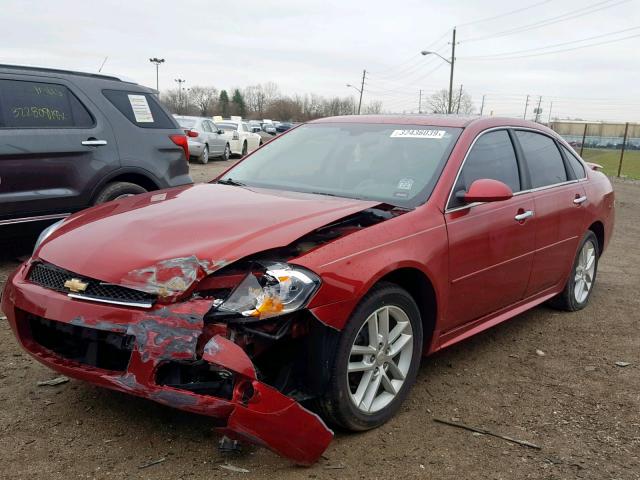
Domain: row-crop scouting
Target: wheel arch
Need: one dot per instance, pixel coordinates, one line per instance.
(421, 288)
(597, 228)
(139, 177)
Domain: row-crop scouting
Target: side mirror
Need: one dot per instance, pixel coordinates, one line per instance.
(486, 190)
(220, 132)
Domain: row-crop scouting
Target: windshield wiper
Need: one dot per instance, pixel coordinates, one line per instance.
(335, 195)
(231, 181)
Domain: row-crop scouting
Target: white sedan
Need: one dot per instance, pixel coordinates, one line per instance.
(240, 137)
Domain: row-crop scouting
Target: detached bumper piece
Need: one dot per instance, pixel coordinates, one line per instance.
(159, 355)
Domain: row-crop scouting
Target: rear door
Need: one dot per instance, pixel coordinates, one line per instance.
(559, 205)
(491, 245)
(54, 143)
(216, 142)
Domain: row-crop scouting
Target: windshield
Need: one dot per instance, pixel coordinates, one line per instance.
(395, 164)
(186, 122)
(227, 127)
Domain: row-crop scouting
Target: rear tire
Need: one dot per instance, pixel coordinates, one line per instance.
(582, 278)
(245, 148)
(204, 156)
(117, 190)
(347, 401)
(227, 153)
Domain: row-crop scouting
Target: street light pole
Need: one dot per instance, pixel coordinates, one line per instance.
(451, 62)
(180, 81)
(359, 90)
(157, 62)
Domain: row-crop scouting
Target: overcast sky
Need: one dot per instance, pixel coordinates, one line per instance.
(319, 46)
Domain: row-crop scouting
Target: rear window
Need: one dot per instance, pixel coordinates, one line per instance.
(141, 109)
(576, 165)
(40, 105)
(227, 127)
(186, 122)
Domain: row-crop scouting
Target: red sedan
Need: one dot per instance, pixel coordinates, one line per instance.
(315, 274)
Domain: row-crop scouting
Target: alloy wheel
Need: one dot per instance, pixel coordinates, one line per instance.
(380, 359)
(584, 273)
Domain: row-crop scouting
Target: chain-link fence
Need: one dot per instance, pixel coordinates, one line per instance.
(615, 146)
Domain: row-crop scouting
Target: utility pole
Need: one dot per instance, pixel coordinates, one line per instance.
(157, 62)
(538, 111)
(459, 100)
(364, 75)
(180, 81)
(453, 61)
(526, 105)
(549, 119)
(420, 102)
(482, 106)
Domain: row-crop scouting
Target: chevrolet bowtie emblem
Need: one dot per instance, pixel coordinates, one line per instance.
(76, 285)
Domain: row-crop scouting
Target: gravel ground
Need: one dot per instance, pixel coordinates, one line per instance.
(573, 401)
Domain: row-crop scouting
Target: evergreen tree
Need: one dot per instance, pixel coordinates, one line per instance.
(223, 103)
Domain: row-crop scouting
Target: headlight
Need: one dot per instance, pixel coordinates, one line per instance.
(45, 234)
(278, 289)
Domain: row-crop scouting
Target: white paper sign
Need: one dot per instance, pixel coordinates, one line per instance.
(140, 107)
(415, 133)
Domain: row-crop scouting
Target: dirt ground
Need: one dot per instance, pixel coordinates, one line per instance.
(574, 402)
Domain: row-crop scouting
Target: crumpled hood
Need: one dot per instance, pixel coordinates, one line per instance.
(210, 224)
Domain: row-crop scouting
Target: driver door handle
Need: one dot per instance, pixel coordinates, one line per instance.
(523, 216)
(94, 143)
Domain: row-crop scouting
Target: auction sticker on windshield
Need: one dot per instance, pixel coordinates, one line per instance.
(140, 108)
(418, 134)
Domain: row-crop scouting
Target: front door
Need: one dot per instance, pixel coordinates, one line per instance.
(491, 245)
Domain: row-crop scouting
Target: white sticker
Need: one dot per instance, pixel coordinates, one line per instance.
(405, 184)
(418, 134)
(141, 110)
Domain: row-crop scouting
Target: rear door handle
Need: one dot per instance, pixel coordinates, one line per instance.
(523, 216)
(580, 200)
(94, 143)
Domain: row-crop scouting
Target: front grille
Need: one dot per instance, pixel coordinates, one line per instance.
(54, 278)
(87, 346)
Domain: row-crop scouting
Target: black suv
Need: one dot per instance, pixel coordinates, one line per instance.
(69, 140)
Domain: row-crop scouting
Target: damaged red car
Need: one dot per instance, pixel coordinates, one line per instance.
(301, 288)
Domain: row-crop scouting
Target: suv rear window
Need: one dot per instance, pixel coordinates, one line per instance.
(26, 104)
(142, 109)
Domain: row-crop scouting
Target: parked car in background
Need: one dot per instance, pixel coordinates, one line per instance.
(269, 128)
(283, 127)
(206, 139)
(320, 269)
(239, 136)
(69, 140)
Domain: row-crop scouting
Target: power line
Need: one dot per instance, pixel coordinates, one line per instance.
(557, 51)
(587, 10)
(506, 14)
(552, 45)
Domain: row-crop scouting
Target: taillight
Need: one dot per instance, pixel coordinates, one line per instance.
(192, 133)
(181, 141)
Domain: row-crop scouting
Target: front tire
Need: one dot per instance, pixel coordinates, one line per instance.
(582, 279)
(375, 361)
(118, 190)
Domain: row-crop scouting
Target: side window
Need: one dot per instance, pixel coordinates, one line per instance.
(543, 159)
(206, 126)
(40, 105)
(141, 109)
(245, 127)
(576, 165)
(492, 156)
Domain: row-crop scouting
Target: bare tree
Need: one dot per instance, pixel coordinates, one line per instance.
(461, 102)
(204, 99)
(373, 108)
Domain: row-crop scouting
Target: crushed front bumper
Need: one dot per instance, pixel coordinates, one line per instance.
(252, 411)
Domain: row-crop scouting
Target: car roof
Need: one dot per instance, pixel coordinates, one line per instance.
(31, 70)
(455, 121)
(190, 117)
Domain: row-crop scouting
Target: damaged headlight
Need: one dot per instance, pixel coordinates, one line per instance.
(278, 289)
